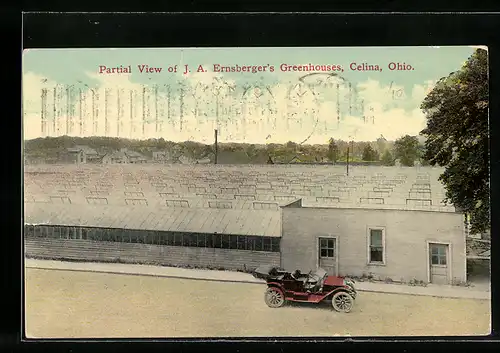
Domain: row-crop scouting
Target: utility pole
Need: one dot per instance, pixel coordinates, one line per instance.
(54, 118)
(348, 159)
(216, 147)
(80, 111)
(143, 111)
(43, 113)
(68, 110)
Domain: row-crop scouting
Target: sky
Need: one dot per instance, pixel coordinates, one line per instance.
(358, 93)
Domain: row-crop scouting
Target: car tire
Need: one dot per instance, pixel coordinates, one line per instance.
(342, 302)
(274, 297)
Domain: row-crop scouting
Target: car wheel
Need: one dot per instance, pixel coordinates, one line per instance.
(342, 302)
(274, 297)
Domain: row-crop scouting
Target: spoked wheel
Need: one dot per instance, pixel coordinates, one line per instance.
(342, 302)
(274, 297)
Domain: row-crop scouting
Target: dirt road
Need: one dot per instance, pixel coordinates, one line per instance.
(68, 304)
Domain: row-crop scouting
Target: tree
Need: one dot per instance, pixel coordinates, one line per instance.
(381, 144)
(406, 150)
(291, 145)
(251, 150)
(423, 160)
(457, 138)
(387, 158)
(369, 154)
(333, 151)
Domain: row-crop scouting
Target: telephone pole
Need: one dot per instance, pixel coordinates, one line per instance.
(216, 147)
(43, 113)
(347, 158)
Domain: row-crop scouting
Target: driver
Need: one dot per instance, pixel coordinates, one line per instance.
(296, 275)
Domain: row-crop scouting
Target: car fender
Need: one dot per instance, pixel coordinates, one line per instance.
(277, 285)
(341, 289)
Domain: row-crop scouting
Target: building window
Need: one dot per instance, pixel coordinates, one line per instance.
(376, 246)
(327, 247)
(438, 255)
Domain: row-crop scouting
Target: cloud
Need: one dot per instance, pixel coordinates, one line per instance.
(311, 111)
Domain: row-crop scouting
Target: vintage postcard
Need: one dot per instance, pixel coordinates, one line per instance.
(256, 192)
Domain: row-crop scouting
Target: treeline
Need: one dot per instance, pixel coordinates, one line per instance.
(407, 149)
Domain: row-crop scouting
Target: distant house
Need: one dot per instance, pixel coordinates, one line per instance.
(123, 156)
(74, 155)
(162, 156)
(91, 155)
(117, 157)
(229, 157)
(80, 154)
(135, 157)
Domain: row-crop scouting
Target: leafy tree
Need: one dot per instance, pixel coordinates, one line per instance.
(369, 154)
(387, 158)
(251, 150)
(381, 144)
(423, 160)
(406, 150)
(290, 145)
(457, 137)
(333, 150)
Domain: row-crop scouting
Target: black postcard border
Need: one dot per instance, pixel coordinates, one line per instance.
(84, 30)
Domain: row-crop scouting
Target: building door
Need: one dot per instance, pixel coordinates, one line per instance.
(438, 259)
(328, 255)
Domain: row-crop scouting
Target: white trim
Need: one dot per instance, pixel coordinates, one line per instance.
(384, 252)
(449, 258)
(328, 236)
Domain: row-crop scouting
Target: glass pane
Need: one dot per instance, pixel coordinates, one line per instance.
(150, 239)
(163, 238)
(186, 239)
(442, 260)
(249, 243)
(114, 234)
(84, 233)
(241, 242)
(330, 252)
(435, 260)
(376, 237)
(376, 255)
(233, 242)
(217, 240)
(259, 244)
(323, 252)
(56, 232)
(442, 250)
(38, 232)
(330, 243)
(276, 245)
(177, 239)
(434, 250)
(323, 243)
(225, 241)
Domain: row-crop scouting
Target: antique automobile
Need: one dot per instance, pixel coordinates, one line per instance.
(313, 287)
